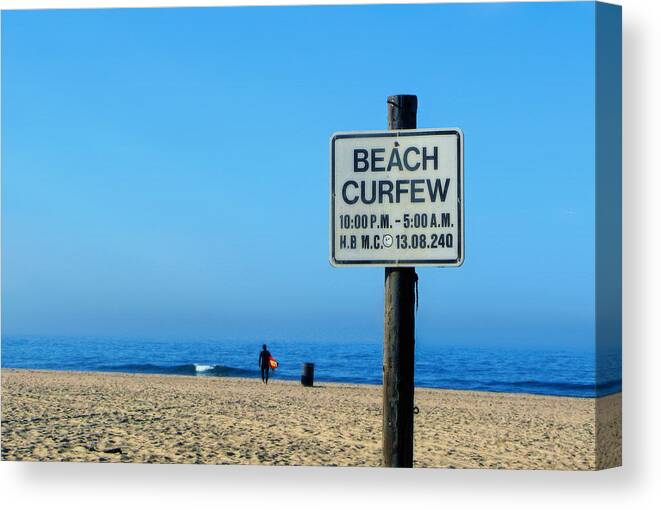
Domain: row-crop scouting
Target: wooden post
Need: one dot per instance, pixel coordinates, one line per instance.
(399, 331)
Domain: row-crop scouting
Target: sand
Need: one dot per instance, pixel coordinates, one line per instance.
(100, 417)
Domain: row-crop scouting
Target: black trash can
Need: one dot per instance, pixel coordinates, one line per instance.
(307, 378)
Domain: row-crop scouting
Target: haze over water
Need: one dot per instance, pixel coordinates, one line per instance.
(548, 372)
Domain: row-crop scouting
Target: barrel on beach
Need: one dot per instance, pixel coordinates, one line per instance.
(307, 378)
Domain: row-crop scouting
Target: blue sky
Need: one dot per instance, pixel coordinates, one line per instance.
(165, 172)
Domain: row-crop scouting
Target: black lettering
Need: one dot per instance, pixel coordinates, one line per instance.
(363, 193)
(400, 190)
(344, 192)
(417, 187)
(407, 165)
(426, 158)
(395, 160)
(360, 157)
(438, 189)
(376, 159)
(383, 192)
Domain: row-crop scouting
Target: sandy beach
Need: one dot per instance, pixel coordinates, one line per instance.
(100, 417)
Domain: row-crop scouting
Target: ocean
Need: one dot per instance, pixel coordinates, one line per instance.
(518, 370)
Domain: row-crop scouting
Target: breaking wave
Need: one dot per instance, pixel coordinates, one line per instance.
(188, 369)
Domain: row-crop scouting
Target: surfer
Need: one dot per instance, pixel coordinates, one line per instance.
(264, 363)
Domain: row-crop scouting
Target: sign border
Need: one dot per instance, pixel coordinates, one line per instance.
(460, 198)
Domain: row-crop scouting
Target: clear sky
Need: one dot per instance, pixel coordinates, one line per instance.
(165, 172)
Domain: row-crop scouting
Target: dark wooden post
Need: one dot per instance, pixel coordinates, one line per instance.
(399, 331)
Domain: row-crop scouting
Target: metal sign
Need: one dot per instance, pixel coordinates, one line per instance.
(397, 198)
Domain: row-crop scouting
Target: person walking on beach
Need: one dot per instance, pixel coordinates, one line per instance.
(265, 363)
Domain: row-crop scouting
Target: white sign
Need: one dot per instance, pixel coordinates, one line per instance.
(397, 198)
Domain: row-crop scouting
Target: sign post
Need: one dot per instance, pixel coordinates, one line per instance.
(397, 202)
(399, 331)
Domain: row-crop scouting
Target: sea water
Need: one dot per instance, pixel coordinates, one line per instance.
(519, 370)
